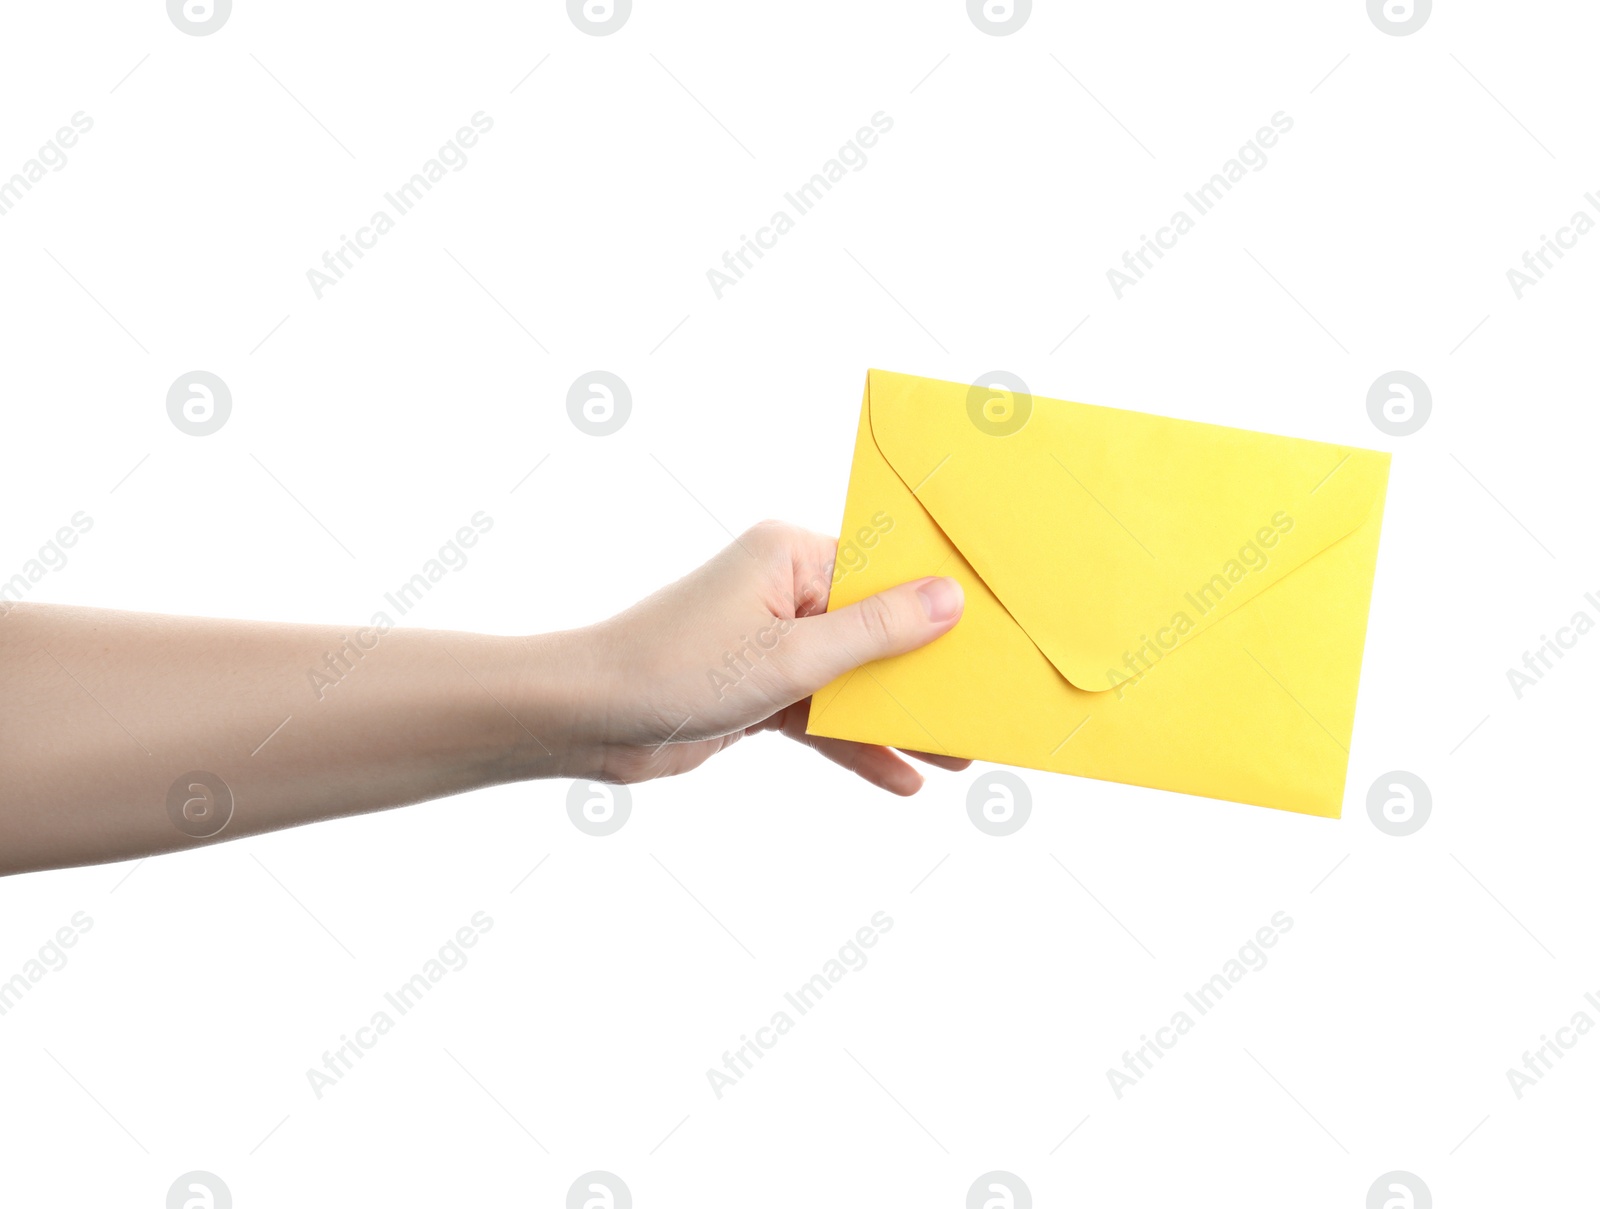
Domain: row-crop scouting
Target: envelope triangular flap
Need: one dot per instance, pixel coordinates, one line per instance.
(1101, 530)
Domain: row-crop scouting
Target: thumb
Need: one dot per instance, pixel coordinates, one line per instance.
(893, 622)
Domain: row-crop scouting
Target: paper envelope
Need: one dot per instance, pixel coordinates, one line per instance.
(1152, 601)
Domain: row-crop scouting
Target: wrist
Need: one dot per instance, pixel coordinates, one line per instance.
(560, 689)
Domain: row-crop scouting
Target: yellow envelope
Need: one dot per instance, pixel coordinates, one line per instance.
(1152, 601)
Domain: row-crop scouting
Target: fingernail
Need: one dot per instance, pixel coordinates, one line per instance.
(941, 599)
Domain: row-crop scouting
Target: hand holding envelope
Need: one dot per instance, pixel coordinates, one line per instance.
(1153, 601)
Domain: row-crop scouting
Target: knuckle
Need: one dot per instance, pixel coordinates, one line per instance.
(768, 534)
(877, 622)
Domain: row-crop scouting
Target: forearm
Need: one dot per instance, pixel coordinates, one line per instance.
(103, 712)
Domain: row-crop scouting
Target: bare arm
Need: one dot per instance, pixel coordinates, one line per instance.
(126, 734)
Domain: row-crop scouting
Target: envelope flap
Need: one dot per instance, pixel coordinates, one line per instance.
(1105, 532)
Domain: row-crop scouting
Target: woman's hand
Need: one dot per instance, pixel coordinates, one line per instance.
(739, 646)
(126, 734)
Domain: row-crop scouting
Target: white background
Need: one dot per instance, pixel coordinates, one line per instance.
(977, 237)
